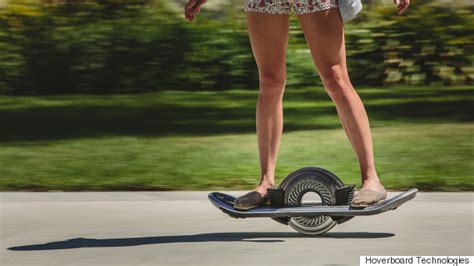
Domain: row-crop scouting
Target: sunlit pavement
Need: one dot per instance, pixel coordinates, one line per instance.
(183, 228)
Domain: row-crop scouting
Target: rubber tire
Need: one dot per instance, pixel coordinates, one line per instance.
(301, 181)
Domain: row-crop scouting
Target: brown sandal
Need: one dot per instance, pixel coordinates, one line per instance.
(249, 201)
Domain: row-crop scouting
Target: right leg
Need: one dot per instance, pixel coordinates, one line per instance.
(269, 39)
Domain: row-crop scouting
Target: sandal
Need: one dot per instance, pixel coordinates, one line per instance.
(249, 201)
(367, 197)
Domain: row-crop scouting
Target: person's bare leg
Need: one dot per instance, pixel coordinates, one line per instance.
(269, 39)
(324, 34)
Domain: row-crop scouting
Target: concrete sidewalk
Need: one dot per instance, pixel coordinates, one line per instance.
(183, 228)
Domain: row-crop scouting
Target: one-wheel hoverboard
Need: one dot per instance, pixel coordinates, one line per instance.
(286, 203)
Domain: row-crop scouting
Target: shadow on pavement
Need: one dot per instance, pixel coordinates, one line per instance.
(210, 237)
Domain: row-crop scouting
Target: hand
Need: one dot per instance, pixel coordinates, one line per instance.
(192, 8)
(402, 5)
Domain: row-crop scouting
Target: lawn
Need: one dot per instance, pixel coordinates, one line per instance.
(175, 140)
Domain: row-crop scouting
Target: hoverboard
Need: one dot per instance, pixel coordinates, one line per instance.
(286, 203)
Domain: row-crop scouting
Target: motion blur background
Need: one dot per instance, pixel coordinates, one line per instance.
(129, 95)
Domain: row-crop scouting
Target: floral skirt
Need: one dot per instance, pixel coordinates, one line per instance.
(285, 6)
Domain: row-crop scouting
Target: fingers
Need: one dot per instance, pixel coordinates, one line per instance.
(192, 8)
(402, 6)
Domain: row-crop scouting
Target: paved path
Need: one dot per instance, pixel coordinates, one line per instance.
(183, 228)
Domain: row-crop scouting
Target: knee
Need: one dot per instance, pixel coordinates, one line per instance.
(336, 83)
(271, 86)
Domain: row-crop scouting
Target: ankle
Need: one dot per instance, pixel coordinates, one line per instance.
(267, 179)
(370, 180)
(266, 183)
(373, 183)
(369, 174)
(264, 186)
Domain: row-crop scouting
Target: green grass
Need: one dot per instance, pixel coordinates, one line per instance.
(206, 140)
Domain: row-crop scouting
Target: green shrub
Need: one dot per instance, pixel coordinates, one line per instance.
(135, 46)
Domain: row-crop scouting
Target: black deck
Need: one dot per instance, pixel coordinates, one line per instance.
(224, 203)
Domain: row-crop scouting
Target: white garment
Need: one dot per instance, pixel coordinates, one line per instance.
(349, 9)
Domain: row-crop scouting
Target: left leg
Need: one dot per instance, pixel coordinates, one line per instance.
(324, 34)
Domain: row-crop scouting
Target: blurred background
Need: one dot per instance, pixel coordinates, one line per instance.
(129, 95)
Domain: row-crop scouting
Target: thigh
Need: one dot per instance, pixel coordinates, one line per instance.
(269, 40)
(324, 34)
